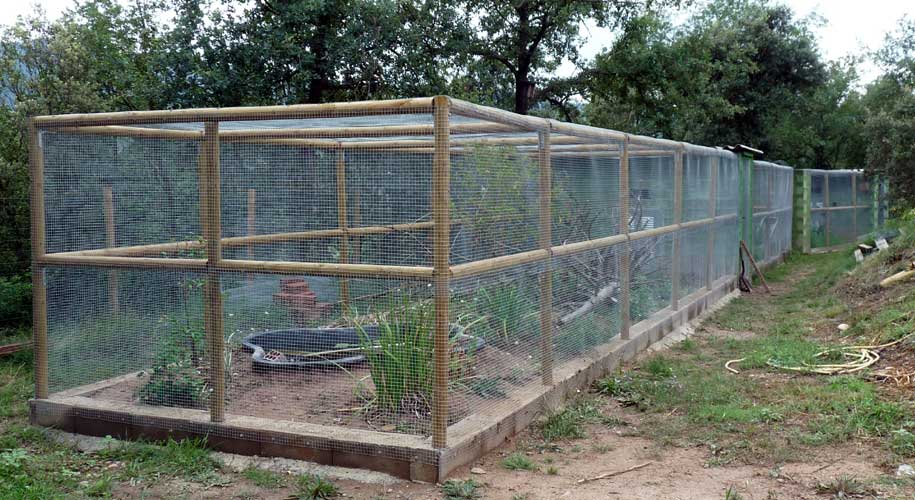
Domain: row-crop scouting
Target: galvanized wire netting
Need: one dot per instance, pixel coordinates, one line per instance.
(394, 270)
(840, 206)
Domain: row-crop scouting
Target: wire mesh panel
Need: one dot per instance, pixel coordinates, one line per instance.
(842, 207)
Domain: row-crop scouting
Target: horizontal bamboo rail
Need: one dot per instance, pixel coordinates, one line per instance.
(295, 111)
(269, 267)
(505, 261)
(845, 207)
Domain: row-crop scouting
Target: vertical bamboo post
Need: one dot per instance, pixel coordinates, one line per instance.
(826, 204)
(357, 221)
(854, 203)
(212, 232)
(770, 187)
(341, 220)
(678, 218)
(252, 226)
(441, 202)
(624, 277)
(712, 212)
(546, 276)
(39, 293)
(111, 242)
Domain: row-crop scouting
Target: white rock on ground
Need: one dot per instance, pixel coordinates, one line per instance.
(843, 327)
(905, 470)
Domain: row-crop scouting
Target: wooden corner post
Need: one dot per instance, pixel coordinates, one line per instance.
(441, 201)
(712, 212)
(625, 320)
(341, 220)
(39, 293)
(212, 301)
(111, 242)
(678, 218)
(546, 242)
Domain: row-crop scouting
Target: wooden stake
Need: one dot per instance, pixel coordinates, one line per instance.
(441, 202)
(252, 226)
(546, 276)
(712, 210)
(762, 279)
(111, 242)
(678, 217)
(39, 293)
(624, 247)
(341, 220)
(210, 224)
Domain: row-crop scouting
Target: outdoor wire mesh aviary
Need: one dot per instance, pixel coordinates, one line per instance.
(836, 207)
(397, 285)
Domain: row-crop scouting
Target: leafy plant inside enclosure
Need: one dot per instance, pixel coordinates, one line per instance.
(177, 377)
(508, 311)
(586, 332)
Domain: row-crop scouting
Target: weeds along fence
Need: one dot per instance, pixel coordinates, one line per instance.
(396, 285)
(836, 207)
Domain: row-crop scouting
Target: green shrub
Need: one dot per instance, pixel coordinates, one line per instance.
(15, 301)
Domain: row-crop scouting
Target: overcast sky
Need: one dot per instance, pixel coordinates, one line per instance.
(852, 26)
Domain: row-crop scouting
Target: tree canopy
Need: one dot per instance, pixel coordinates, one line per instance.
(734, 71)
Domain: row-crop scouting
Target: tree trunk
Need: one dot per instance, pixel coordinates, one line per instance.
(320, 83)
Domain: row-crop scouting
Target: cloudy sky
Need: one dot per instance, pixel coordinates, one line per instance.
(851, 26)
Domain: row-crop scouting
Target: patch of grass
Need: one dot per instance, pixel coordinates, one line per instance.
(732, 494)
(187, 458)
(518, 461)
(689, 399)
(264, 478)
(552, 470)
(455, 489)
(903, 443)
(843, 487)
(314, 487)
(569, 421)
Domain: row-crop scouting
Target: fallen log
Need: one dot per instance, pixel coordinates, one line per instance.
(604, 294)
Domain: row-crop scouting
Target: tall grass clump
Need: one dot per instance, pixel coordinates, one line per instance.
(400, 356)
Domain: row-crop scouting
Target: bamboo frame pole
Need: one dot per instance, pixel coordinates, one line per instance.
(211, 226)
(712, 211)
(39, 292)
(826, 204)
(624, 278)
(111, 242)
(546, 276)
(341, 220)
(252, 226)
(441, 202)
(678, 217)
(295, 111)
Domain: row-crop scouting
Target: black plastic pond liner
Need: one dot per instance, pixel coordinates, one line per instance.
(322, 347)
